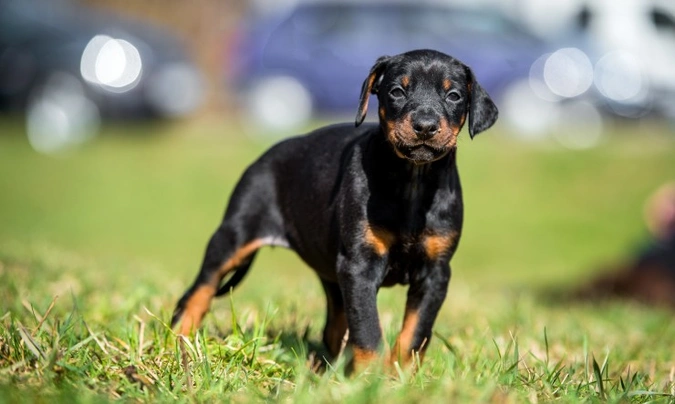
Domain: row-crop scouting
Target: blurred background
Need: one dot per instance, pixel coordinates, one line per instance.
(69, 66)
(125, 124)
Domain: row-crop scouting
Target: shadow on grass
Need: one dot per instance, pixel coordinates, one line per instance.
(649, 287)
(313, 351)
(293, 344)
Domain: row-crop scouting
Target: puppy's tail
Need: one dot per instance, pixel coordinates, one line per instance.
(234, 280)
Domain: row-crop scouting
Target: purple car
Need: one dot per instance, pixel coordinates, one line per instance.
(311, 60)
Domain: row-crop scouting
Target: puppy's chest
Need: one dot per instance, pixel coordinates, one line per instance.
(416, 212)
(416, 239)
(414, 221)
(411, 255)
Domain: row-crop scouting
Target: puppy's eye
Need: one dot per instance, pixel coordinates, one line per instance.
(453, 96)
(397, 92)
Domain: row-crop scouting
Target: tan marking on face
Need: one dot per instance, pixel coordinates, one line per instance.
(402, 351)
(447, 84)
(195, 308)
(363, 107)
(405, 81)
(447, 134)
(437, 244)
(362, 358)
(381, 111)
(399, 131)
(390, 127)
(371, 81)
(380, 240)
(462, 120)
(238, 257)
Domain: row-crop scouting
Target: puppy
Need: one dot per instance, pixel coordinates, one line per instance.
(365, 205)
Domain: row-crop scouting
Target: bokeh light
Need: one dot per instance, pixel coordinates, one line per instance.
(618, 76)
(60, 115)
(568, 72)
(580, 125)
(279, 102)
(175, 90)
(114, 64)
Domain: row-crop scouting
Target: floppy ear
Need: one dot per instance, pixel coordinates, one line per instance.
(482, 110)
(370, 86)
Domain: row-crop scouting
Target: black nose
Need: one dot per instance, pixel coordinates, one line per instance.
(425, 128)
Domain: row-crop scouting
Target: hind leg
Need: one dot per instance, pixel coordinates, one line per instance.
(227, 252)
(336, 320)
(252, 220)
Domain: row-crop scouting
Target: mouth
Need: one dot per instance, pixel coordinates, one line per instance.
(422, 152)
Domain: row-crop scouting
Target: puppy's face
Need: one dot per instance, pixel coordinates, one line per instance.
(423, 106)
(424, 99)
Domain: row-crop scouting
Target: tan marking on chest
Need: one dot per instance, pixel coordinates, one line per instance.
(437, 244)
(378, 239)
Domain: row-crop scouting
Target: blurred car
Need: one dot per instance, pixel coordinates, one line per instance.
(634, 75)
(67, 66)
(615, 60)
(313, 58)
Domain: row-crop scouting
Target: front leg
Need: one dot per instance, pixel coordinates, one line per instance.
(425, 297)
(359, 292)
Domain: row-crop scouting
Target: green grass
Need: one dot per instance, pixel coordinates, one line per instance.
(96, 246)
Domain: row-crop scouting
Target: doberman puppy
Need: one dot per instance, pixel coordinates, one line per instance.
(365, 206)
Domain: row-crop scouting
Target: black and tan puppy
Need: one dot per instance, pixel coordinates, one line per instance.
(366, 206)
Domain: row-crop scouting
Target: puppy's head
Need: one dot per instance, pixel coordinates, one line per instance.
(425, 97)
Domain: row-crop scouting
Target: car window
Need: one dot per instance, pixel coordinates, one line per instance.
(331, 19)
(663, 20)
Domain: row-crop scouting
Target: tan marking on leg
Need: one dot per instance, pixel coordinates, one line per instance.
(447, 84)
(238, 257)
(378, 239)
(437, 244)
(336, 326)
(402, 351)
(195, 308)
(200, 301)
(362, 358)
(335, 333)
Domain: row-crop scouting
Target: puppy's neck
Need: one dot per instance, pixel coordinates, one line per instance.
(411, 187)
(415, 184)
(418, 175)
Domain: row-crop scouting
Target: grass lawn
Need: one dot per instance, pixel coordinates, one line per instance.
(96, 247)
